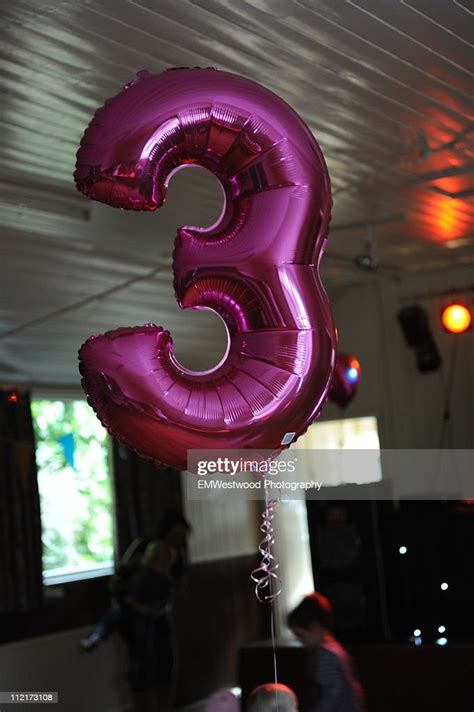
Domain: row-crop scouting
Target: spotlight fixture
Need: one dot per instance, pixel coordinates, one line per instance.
(366, 262)
(416, 330)
(456, 318)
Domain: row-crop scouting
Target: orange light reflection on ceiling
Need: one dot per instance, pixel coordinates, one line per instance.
(444, 218)
(456, 184)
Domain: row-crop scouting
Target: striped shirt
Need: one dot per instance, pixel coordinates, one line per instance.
(334, 686)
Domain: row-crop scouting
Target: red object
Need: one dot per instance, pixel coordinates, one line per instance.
(13, 397)
(345, 380)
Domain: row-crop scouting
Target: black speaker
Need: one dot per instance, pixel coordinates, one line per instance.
(348, 539)
(416, 330)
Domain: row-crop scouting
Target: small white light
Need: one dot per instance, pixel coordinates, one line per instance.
(402, 550)
(442, 629)
(442, 641)
(417, 632)
(444, 586)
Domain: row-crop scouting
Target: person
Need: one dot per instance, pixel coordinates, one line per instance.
(272, 697)
(147, 629)
(333, 686)
(173, 528)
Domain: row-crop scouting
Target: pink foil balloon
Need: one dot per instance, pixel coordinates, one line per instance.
(345, 380)
(257, 267)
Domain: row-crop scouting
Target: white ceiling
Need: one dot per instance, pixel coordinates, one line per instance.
(385, 85)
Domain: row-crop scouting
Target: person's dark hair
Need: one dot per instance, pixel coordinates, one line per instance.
(171, 518)
(314, 608)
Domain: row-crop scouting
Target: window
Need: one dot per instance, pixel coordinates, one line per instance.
(325, 443)
(344, 434)
(72, 454)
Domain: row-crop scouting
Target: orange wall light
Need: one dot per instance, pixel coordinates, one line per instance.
(456, 318)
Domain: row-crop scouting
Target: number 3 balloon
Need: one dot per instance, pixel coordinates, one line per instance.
(257, 267)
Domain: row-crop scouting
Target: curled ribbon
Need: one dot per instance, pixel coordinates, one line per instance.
(265, 576)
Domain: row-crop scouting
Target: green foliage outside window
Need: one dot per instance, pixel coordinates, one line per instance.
(74, 485)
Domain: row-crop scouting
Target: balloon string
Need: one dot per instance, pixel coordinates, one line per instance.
(275, 667)
(265, 575)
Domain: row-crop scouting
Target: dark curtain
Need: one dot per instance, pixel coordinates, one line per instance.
(143, 493)
(21, 576)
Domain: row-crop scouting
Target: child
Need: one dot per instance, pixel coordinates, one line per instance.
(147, 629)
(333, 685)
(173, 530)
(272, 697)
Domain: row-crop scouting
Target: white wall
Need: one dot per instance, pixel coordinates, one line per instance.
(222, 528)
